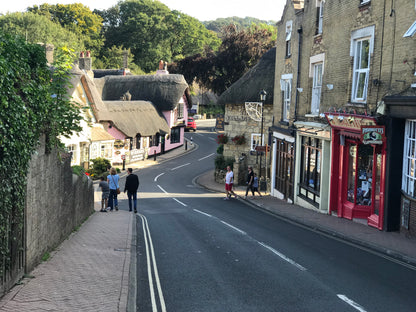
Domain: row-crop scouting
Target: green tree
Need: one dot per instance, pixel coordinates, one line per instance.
(35, 28)
(113, 58)
(32, 102)
(239, 22)
(76, 18)
(153, 32)
(240, 50)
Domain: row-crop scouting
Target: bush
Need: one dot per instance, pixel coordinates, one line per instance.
(222, 162)
(99, 166)
(220, 149)
(78, 170)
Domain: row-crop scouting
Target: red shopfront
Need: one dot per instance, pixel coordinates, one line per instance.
(357, 168)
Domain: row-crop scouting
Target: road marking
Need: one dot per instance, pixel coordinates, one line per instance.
(201, 212)
(212, 139)
(155, 180)
(283, 256)
(162, 189)
(179, 202)
(149, 245)
(206, 157)
(180, 166)
(234, 228)
(351, 303)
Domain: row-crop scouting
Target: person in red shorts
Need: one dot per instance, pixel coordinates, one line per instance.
(229, 180)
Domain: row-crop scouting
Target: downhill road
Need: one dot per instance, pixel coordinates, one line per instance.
(197, 252)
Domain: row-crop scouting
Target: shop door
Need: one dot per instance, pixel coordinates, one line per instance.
(358, 181)
(284, 168)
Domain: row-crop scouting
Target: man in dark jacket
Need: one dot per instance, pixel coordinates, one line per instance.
(132, 184)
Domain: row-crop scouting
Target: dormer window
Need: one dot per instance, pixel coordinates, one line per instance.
(362, 2)
(288, 38)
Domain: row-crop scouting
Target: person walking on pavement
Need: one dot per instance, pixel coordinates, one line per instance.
(112, 180)
(250, 178)
(105, 194)
(229, 180)
(256, 185)
(131, 186)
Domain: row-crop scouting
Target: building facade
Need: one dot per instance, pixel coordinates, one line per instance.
(341, 70)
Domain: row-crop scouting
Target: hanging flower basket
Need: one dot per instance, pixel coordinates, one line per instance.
(239, 139)
(222, 139)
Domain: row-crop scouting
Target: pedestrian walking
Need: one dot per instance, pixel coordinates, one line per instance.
(250, 179)
(256, 185)
(229, 180)
(131, 186)
(112, 180)
(105, 194)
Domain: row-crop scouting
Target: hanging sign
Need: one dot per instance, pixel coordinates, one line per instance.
(373, 134)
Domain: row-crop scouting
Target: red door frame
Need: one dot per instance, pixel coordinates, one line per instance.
(337, 190)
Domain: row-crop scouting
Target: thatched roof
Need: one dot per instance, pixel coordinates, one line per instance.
(99, 134)
(247, 88)
(99, 73)
(164, 91)
(136, 117)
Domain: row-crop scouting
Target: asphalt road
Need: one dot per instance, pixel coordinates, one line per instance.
(197, 252)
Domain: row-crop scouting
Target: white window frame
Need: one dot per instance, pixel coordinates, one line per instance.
(357, 38)
(255, 137)
(286, 88)
(409, 159)
(106, 150)
(364, 1)
(411, 31)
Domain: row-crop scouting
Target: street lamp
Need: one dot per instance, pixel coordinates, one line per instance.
(262, 95)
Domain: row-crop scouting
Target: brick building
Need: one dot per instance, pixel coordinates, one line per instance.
(343, 72)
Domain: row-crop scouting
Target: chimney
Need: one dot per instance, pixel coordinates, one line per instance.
(84, 61)
(163, 68)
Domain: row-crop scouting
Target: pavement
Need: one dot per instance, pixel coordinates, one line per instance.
(95, 268)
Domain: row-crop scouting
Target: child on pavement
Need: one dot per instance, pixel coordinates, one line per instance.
(105, 194)
(256, 185)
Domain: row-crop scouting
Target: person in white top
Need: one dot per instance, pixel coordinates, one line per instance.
(229, 180)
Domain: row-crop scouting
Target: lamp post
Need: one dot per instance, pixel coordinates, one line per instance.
(262, 95)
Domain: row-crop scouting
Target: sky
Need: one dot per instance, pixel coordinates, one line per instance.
(202, 10)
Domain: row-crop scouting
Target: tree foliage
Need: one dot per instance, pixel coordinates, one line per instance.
(241, 23)
(153, 32)
(239, 51)
(27, 109)
(35, 28)
(76, 18)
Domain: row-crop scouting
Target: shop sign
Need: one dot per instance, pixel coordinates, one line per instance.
(372, 134)
(349, 122)
(118, 144)
(219, 122)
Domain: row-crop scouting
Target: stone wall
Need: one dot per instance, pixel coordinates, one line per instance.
(57, 202)
(237, 122)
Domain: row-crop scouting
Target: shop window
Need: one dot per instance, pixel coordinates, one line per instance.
(175, 135)
(409, 159)
(362, 43)
(154, 140)
(310, 175)
(106, 150)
